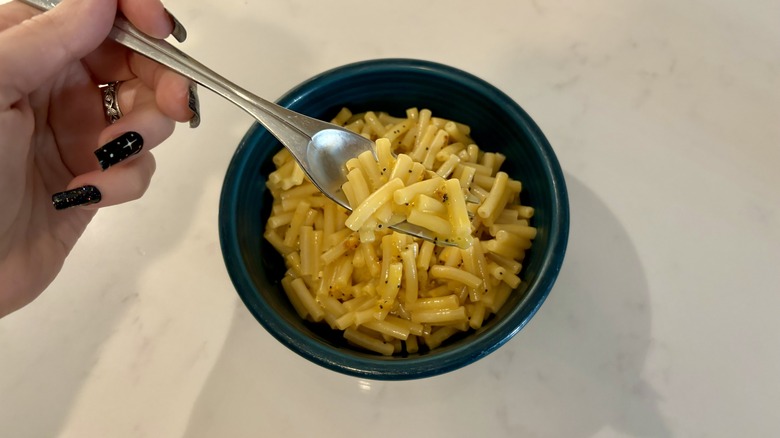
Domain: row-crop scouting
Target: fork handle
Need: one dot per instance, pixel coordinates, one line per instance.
(289, 127)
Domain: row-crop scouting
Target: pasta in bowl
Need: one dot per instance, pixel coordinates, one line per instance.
(400, 309)
(388, 292)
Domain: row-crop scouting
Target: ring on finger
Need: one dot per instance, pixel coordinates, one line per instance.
(111, 100)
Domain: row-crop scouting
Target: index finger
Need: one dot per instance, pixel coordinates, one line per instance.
(109, 62)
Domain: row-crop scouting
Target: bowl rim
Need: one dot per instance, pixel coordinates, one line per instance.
(379, 368)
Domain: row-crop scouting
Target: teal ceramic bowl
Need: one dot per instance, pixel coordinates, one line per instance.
(393, 85)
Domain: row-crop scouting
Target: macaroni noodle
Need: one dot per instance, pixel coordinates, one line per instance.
(388, 292)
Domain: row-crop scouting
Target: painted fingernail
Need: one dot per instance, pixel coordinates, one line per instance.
(124, 146)
(73, 198)
(194, 105)
(179, 32)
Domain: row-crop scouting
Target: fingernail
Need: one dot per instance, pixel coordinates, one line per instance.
(72, 198)
(194, 105)
(179, 32)
(124, 146)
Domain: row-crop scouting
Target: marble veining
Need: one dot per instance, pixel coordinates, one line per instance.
(662, 323)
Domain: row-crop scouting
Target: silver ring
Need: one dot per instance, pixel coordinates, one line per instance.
(111, 101)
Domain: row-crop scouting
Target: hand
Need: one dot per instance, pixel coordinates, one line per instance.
(54, 135)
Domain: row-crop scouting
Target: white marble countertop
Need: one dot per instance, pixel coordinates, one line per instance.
(664, 321)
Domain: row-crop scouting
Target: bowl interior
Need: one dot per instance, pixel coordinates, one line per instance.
(498, 124)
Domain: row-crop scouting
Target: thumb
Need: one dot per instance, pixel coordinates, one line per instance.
(36, 49)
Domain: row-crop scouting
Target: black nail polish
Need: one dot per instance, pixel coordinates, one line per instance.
(72, 198)
(124, 146)
(194, 104)
(179, 32)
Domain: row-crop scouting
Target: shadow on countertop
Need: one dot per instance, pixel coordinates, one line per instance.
(575, 370)
(78, 315)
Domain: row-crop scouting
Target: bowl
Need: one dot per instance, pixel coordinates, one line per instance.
(393, 85)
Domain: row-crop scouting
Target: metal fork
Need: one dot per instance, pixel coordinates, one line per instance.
(321, 148)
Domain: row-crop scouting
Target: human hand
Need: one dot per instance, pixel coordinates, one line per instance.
(54, 135)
